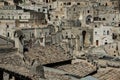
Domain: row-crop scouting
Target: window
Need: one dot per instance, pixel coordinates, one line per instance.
(8, 34)
(78, 3)
(12, 17)
(104, 19)
(69, 3)
(19, 17)
(43, 10)
(64, 3)
(99, 19)
(2, 17)
(74, 9)
(95, 25)
(88, 11)
(97, 42)
(7, 26)
(32, 35)
(104, 32)
(108, 33)
(95, 33)
(66, 36)
(45, 33)
(41, 39)
(61, 9)
(99, 3)
(112, 46)
(39, 10)
(50, 6)
(106, 43)
(46, 1)
(56, 16)
(113, 18)
(106, 4)
(8, 17)
(112, 2)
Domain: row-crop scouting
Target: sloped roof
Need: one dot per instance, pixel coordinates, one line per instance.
(7, 39)
(89, 78)
(79, 69)
(110, 74)
(47, 54)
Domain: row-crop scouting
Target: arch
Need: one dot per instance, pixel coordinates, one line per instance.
(88, 19)
(83, 34)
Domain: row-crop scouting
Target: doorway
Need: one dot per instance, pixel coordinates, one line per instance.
(84, 34)
(97, 42)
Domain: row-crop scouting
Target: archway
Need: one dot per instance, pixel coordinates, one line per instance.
(83, 34)
(88, 19)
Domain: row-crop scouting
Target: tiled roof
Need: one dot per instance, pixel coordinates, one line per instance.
(80, 69)
(111, 74)
(47, 55)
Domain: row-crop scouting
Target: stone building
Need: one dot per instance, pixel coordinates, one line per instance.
(6, 42)
(102, 35)
(7, 28)
(23, 17)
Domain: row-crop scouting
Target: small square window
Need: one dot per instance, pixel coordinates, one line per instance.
(88, 11)
(56, 16)
(78, 3)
